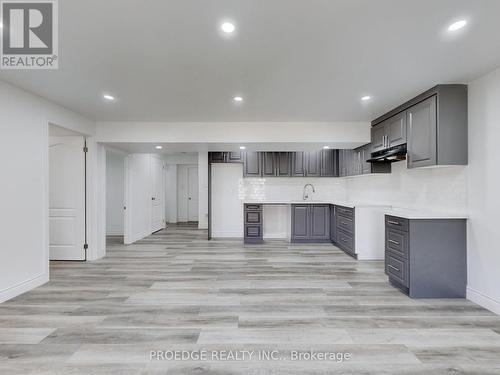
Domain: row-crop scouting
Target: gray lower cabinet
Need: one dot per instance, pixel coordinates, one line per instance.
(252, 164)
(345, 229)
(426, 258)
(252, 223)
(333, 225)
(310, 223)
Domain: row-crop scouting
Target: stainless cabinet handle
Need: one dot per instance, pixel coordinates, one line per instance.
(394, 268)
(393, 222)
(394, 242)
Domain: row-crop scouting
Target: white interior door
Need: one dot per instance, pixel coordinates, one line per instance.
(157, 202)
(137, 197)
(193, 199)
(66, 198)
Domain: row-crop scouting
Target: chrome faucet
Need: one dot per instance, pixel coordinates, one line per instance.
(305, 195)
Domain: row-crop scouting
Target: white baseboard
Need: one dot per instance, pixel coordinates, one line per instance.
(23, 287)
(114, 233)
(483, 300)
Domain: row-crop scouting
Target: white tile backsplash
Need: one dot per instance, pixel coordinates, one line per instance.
(291, 188)
(442, 188)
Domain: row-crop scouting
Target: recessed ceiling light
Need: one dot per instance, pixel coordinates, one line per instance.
(457, 25)
(108, 97)
(365, 98)
(242, 147)
(228, 27)
(238, 99)
(159, 147)
(326, 147)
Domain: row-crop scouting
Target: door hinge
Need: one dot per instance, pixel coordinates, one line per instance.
(85, 246)
(85, 149)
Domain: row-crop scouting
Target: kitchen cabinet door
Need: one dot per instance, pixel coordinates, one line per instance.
(320, 222)
(234, 157)
(396, 130)
(313, 164)
(378, 137)
(217, 157)
(422, 134)
(283, 164)
(268, 164)
(366, 168)
(333, 227)
(329, 163)
(298, 164)
(252, 164)
(300, 222)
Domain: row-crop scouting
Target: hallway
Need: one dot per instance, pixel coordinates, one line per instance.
(175, 290)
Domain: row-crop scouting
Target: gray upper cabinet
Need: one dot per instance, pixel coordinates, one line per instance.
(389, 133)
(235, 157)
(283, 164)
(268, 164)
(396, 130)
(313, 163)
(378, 137)
(217, 157)
(329, 163)
(422, 130)
(252, 166)
(298, 164)
(435, 123)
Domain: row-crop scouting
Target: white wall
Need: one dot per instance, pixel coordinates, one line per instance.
(442, 188)
(227, 207)
(24, 120)
(483, 248)
(115, 192)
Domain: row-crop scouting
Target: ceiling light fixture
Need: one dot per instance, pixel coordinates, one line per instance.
(365, 98)
(108, 97)
(228, 27)
(326, 147)
(238, 99)
(242, 147)
(457, 25)
(159, 147)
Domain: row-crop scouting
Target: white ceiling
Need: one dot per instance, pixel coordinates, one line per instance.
(291, 60)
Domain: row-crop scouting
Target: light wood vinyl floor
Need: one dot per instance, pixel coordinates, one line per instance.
(176, 291)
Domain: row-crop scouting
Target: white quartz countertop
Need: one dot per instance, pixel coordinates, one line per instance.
(409, 213)
(338, 203)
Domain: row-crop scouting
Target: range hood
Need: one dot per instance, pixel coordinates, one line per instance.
(389, 155)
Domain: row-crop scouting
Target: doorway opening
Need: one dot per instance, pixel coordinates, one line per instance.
(67, 195)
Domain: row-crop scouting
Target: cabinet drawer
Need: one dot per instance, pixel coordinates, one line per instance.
(345, 241)
(345, 223)
(397, 242)
(396, 223)
(396, 268)
(253, 231)
(253, 217)
(253, 207)
(345, 211)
